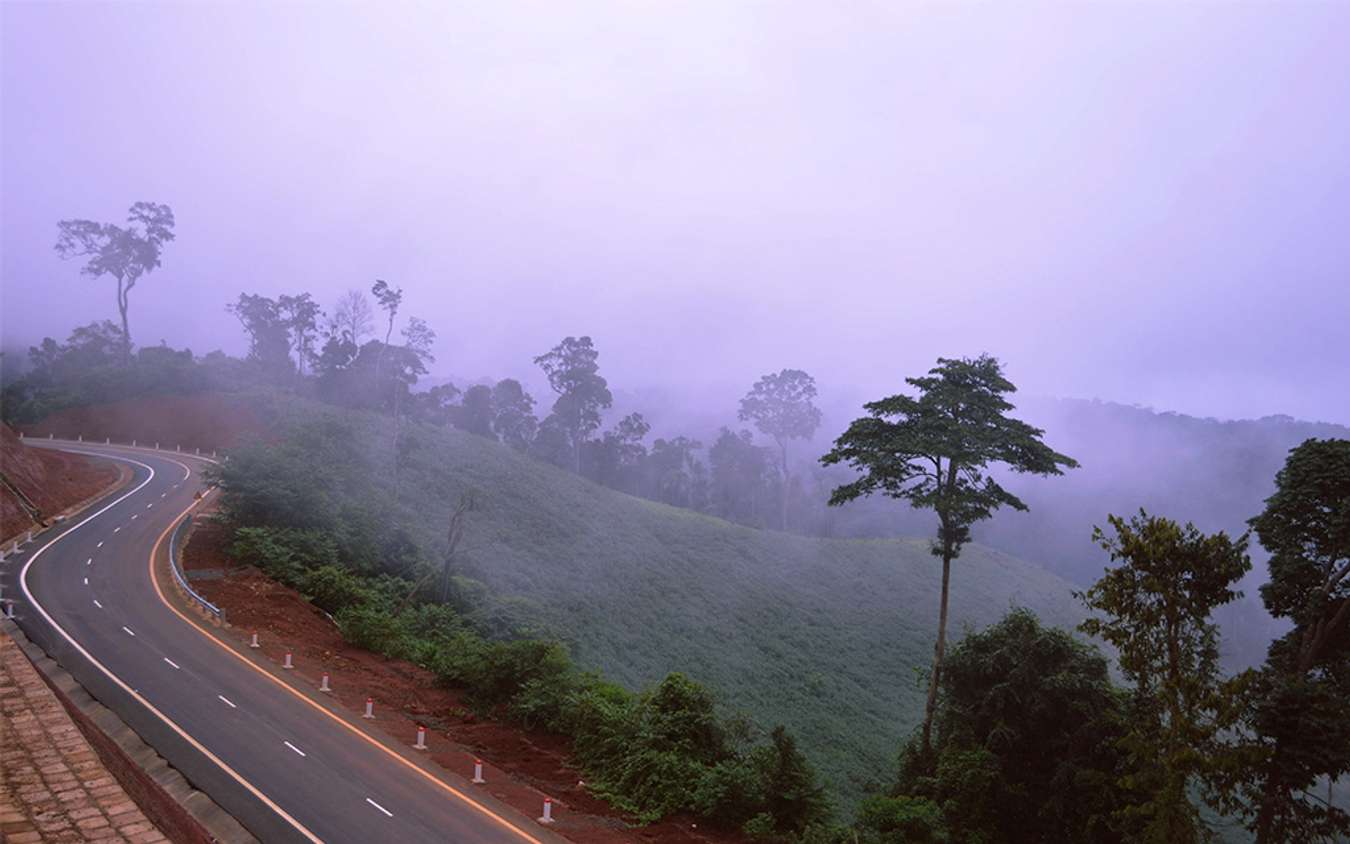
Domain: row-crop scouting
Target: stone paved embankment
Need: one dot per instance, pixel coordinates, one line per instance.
(53, 786)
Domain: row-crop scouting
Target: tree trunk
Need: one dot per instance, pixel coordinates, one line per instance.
(782, 449)
(126, 330)
(938, 652)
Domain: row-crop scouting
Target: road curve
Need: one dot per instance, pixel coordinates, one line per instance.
(281, 765)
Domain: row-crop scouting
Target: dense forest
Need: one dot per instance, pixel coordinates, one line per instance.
(1021, 719)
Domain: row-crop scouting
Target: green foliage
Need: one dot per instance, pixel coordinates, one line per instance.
(1027, 732)
(1296, 709)
(934, 451)
(901, 820)
(788, 629)
(1157, 607)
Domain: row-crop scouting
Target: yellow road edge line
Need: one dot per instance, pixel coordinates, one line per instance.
(154, 580)
(23, 582)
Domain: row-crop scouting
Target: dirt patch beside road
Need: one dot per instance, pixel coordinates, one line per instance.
(521, 767)
(49, 481)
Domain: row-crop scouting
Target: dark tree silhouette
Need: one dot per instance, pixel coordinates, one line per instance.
(934, 452)
(125, 253)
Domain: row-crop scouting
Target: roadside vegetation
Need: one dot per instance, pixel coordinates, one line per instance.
(625, 610)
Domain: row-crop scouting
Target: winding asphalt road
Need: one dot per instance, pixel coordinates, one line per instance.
(276, 760)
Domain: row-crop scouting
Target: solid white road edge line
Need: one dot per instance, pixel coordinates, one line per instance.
(203, 749)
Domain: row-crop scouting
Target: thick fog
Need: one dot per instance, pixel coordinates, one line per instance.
(1143, 203)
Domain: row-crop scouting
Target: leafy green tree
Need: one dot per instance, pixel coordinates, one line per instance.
(125, 253)
(476, 412)
(574, 374)
(675, 470)
(934, 451)
(615, 460)
(301, 314)
(389, 299)
(795, 800)
(741, 478)
(1157, 605)
(1026, 738)
(1298, 716)
(513, 414)
(268, 330)
(782, 406)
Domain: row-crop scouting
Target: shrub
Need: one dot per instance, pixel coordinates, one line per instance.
(371, 628)
(332, 589)
(901, 820)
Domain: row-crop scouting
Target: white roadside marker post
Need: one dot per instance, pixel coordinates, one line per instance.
(254, 642)
(478, 771)
(421, 738)
(548, 811)
(370, 708)
(9, 609)
(288, 663)
(107, 440)
(323, 684)
(80, 438)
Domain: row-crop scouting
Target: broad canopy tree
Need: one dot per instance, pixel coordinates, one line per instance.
(1157, 607)
(1298, 705)
(574, 374)
(934, 451)
(124, 252)
(782, 406)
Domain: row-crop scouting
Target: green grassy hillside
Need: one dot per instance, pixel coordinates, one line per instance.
(826, 636)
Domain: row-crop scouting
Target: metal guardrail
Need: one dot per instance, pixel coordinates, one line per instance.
(178, 573)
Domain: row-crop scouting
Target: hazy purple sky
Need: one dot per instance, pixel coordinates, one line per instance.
(1146, 202)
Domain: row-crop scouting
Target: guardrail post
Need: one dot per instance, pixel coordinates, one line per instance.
(478, 771)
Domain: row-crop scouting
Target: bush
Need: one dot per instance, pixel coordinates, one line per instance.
(371, 628)
(901, 820)
(332, 589)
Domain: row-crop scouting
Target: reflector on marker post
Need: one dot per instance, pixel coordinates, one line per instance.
(421, 738)
(370, 708)
(478, 771)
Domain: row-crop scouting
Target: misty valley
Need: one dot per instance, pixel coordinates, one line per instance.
(693, 423)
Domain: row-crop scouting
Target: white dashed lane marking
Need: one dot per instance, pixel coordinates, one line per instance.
(100, 544)
(381, 808)
(171, 662)
(86, 581)
(227, 701)
(89, 562)
(129, 630)
(116, 529)
(293, 747)
(97, 604)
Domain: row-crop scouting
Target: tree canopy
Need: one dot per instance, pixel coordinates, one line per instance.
(124, 252)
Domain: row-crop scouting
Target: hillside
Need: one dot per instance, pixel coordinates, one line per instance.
(826, 636)
(36, 484)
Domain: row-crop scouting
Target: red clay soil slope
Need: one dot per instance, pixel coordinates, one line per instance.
(41, 483)
(520, 765)
(208, 421)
